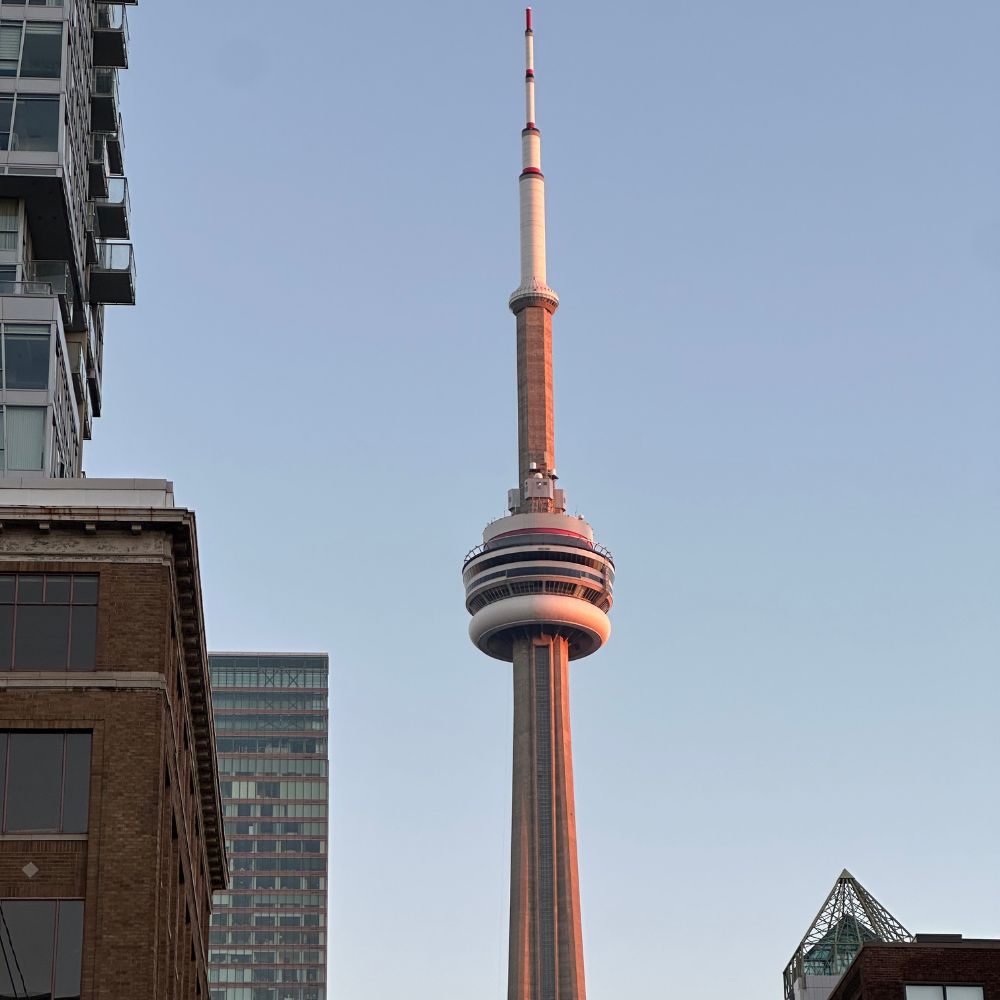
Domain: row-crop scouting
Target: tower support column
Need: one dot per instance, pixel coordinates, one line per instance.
(546, 943)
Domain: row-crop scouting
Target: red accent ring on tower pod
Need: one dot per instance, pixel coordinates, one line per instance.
(534, 171)
(530, 74)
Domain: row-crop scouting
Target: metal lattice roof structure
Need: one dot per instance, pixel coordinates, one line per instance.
(848, 918)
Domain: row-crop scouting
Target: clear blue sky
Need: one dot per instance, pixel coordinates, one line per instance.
(775, 228)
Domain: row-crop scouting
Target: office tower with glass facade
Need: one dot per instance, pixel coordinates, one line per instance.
(268, 935)
(65, 250)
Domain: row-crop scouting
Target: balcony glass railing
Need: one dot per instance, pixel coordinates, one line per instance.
(114, 139)
(99, 150)
(115, 256)
(45, 277)
(54, 273)
(95, 345)
(118, 193)
(106, 83)
(98, 167)
(111, 17)
(77, 364)
(92, 223)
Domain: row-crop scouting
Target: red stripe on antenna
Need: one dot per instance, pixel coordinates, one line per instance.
(527, 17)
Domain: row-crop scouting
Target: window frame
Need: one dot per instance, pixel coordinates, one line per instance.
(27, 329)
(59, 921)
(65, 769)
(81, 658)
(944, 988)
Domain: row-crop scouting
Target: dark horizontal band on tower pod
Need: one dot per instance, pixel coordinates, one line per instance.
(531, 172)
(530, 73)
(530, 127)
(541, 531)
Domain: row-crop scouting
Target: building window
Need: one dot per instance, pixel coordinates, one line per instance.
(25, 359)
(39, 56)
(45, 782)
(944, 993)
(48, 621)
(22, 438)
(9, 219)
(42, 53)
(41, 942)
(36, 124)
(10, 47)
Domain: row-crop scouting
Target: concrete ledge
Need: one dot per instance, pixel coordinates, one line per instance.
(35, 490)
(61, 680)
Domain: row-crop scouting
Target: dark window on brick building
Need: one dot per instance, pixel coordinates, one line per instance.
(923, 992)
(41, 942)
(44, 782)
(48, 621)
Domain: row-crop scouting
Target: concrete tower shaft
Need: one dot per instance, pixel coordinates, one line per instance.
(546, 936)
(536, 431)
(539, 590)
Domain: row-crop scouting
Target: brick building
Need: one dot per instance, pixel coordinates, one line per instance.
(110, 817)
(932, 967)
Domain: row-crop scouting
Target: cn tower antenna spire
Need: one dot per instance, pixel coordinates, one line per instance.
(534, 288)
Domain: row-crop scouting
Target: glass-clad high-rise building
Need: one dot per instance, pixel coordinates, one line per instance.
(268, 933)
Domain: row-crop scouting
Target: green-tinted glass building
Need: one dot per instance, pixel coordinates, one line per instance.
(268, 933)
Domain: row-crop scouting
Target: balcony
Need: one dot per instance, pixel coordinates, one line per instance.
(76, 357)
(95, 358)
(113, 211)
(92, 232)
(115, 143)
(51, 277)
(112, 277)
(111, 36)
(98, 167)
(104, 101)
(77, 367)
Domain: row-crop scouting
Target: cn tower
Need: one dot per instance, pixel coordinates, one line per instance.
(539, 592)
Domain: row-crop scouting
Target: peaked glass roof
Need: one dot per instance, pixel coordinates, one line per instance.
(848, 918)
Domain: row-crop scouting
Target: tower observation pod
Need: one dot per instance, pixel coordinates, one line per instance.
(539, 590)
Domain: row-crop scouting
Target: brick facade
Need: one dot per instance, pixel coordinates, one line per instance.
(882, 971)
(152, 855)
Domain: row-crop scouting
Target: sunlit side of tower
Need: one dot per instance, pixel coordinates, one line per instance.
(539, 592)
